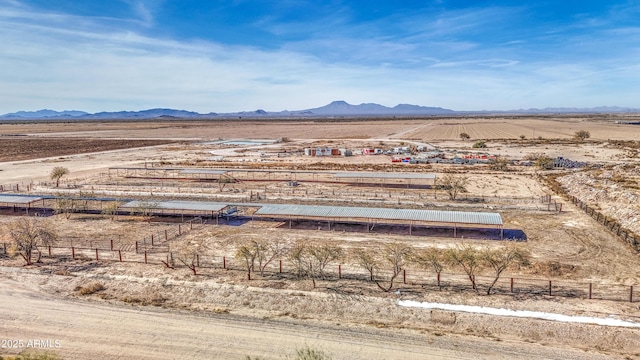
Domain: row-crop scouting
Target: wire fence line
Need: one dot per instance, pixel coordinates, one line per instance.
(416, 279)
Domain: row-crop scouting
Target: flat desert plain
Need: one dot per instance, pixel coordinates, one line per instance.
(151, 284)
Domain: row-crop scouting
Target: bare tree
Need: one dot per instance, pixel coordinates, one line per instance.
(297, 255)
(453, 185)
(464, 136)
(28, 234)
(145, 209)
(432, 258)
(247, 253)
(110, 209)
(57, 173)
(367, 259)
(582, 135)
(322, 255)
(186, 251)
(468, 258)
(396, 255)
(502, 258)
(65, 205)
(311, 260)
(269, 250)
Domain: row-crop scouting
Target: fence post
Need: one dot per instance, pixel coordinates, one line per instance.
(73, 253)
(191, 225)
(151, 239)
(404, 276)
(438, 279)
(49, 251)
(197, 260)
(111, 244)
(224, 262)
(281, 266)
(549, 287)
(631, 294)
(136, 247)
(590, 290)
(339, 271)
(120, 255)
(179, 230)
(97, 254)
(511, 285)
(166, 237)
(145, 256)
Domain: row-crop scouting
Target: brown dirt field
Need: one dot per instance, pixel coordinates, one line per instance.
(427, 129)
(23, 148)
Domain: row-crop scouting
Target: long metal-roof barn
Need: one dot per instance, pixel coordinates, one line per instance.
(413, 217)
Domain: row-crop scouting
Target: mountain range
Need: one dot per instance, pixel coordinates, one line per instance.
(334, 109)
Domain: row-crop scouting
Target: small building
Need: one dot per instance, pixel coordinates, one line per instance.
(346, 152)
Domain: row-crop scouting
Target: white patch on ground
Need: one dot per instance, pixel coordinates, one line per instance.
(520, 313)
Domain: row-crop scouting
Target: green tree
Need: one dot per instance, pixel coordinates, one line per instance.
(57, 173)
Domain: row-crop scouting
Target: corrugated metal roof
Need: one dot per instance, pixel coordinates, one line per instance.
(19, 199)
(384, 175)
(434, 216)
(180, 205)
(202, 171)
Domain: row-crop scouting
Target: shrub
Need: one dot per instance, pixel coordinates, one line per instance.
(91, 288)
(480, 144)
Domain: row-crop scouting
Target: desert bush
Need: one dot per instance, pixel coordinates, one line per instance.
(33, 355)
(308, 353)
(464, 136)
(582, 135)
(480, 144)
(91, 288)
(452, 184)
(500, 163)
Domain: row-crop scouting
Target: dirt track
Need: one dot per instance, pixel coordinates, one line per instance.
(88, 330)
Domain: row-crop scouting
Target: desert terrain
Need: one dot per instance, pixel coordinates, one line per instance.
(577, 222)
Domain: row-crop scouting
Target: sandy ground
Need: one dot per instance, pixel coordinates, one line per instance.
(95, 329)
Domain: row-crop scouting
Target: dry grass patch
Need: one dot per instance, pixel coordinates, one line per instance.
(90, 288)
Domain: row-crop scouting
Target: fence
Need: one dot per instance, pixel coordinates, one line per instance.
(626, 235)
(409, 280)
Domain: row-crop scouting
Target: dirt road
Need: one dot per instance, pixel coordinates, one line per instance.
(89, 330)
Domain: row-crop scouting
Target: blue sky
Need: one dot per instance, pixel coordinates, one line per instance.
(225, 56)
